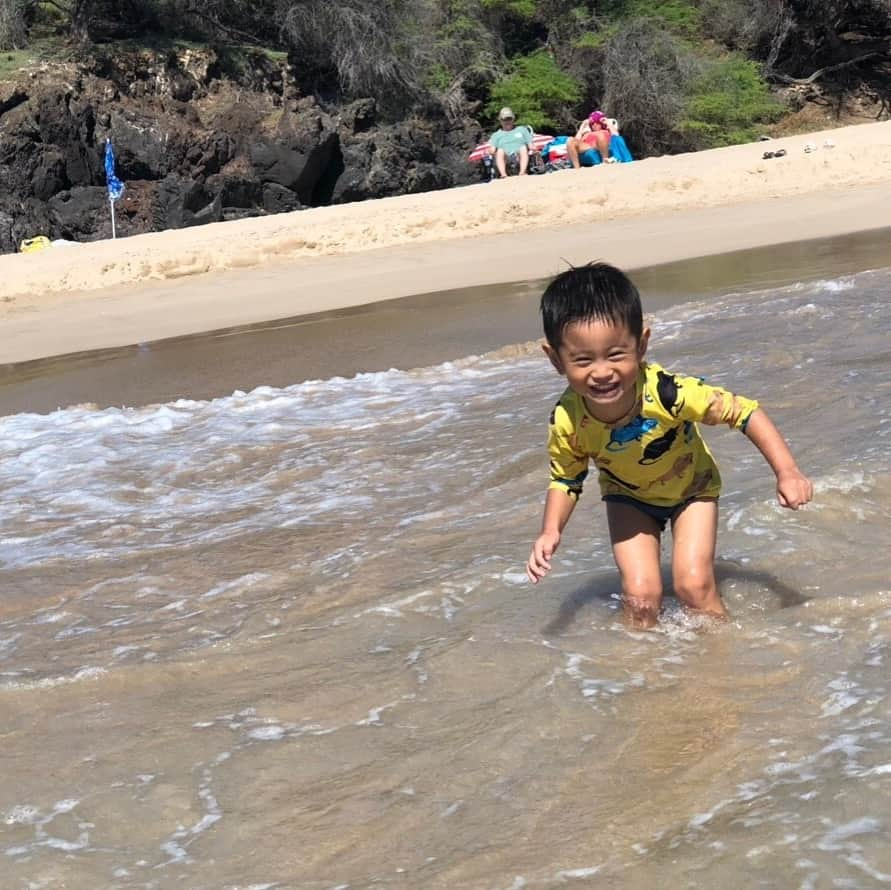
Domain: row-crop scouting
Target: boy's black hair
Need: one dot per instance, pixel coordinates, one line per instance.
(597, 291)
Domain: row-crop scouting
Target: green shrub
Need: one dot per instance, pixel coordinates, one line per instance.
(460, 45)
(680, 16)
(438, 77)
(539, 93)
(521, 9)
(595, 40)
(727, 103)
(647, 75)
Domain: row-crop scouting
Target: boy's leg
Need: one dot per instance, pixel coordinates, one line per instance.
(694, 531)
(635, 540)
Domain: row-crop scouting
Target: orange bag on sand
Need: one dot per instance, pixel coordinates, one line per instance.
(32, 245)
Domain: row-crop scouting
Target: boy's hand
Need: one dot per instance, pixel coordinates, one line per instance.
(794, 489)
(543, 549)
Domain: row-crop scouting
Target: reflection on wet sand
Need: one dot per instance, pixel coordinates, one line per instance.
(412, 332)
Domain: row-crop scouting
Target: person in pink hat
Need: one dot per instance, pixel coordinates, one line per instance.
(597, 140)
(590, 145)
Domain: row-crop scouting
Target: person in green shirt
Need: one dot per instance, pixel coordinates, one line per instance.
(510, 141)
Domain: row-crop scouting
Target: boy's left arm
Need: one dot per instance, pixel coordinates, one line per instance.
(714, 405)
(794, 489)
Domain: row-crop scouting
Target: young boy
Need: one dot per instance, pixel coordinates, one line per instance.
(637, 422)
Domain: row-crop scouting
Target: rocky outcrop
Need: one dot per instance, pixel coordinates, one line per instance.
(198, 138)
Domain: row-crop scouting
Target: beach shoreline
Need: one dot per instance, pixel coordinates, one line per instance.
(175, 283)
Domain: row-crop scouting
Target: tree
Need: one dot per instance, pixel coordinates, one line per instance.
(79, 14)
(13, 28)
(749, 26)
(238, 21)
(802, 41)
(647, 76)
(367, 47)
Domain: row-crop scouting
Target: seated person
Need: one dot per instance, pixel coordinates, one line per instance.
(512, 142)
(590, 145)
(597, 140)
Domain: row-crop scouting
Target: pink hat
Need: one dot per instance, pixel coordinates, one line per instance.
(596, 116)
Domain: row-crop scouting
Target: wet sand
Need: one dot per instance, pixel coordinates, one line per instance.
(404, 333)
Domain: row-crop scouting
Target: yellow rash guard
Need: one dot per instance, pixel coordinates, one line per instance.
(659, 456)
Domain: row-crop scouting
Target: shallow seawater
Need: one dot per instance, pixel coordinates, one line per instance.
(284, 639)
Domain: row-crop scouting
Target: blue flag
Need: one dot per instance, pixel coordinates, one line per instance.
(115, 186)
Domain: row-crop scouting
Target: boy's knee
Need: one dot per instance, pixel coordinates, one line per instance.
(642, 599)
(642, 588)
(695, 588)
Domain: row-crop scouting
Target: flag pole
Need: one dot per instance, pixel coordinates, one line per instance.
(115, 186)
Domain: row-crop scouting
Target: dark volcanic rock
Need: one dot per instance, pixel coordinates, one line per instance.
(11, 96)
(276, 163)
(140, 145)
(32, 218)
(199, 136)
(181, 202)
(278, 199)
(359, 116)
(81, 210)
(49, 177)
(237, 190)
(398, 159)
(298, 157)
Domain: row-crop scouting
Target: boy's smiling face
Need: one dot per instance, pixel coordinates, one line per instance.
(600, 361)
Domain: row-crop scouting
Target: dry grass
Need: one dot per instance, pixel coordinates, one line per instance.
(821, 115)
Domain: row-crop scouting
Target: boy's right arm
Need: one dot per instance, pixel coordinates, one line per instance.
(794, 489)
(558, 508)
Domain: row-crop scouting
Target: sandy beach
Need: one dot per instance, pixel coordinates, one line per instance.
(172, 283)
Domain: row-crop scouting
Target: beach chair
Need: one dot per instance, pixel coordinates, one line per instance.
(555, 154)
